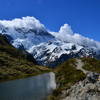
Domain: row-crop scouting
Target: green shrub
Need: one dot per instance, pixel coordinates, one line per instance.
(66, 76)
(91, 64)
(16, 63)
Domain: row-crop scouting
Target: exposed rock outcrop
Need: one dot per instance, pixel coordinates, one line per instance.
(88, 89)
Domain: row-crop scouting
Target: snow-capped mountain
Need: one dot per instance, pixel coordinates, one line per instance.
(25, 32)
(56, 52)
(48, 48)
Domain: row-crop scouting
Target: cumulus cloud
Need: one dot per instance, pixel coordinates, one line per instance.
(66, 34)
(65, 29)
(26, 22)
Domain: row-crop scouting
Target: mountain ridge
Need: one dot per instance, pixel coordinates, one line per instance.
(48, 48)
(15, 63)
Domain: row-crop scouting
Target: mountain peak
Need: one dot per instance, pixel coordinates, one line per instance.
(48, 48)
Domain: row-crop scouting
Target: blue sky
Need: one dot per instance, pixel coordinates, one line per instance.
(82, 15)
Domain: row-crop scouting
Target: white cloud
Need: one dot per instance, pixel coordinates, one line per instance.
(65, 29)
(67, 35)
(27, 22)
(64, 34)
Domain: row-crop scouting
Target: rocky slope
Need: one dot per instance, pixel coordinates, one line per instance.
(16, 63)
(88, 89)
(48, 48)
(75, 81)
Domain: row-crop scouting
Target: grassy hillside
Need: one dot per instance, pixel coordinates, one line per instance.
(66, 76)
(91, 64)
(15, 63)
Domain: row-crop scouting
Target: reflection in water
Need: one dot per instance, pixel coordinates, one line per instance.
(33, 88)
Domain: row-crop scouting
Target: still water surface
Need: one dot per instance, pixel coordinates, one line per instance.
(33, 88)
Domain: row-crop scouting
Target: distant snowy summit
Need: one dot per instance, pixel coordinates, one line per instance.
(47, 47)
(27, 31)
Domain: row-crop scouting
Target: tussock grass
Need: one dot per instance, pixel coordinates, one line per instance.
(91, 64)
(16, 63)
(66, 76)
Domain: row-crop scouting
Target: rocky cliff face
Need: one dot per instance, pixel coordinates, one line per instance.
(88, 89)
(78, 79)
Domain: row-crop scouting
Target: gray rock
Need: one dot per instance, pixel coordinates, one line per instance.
(88, 89)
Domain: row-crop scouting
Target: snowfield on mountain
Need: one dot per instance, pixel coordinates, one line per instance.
(48, 47)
